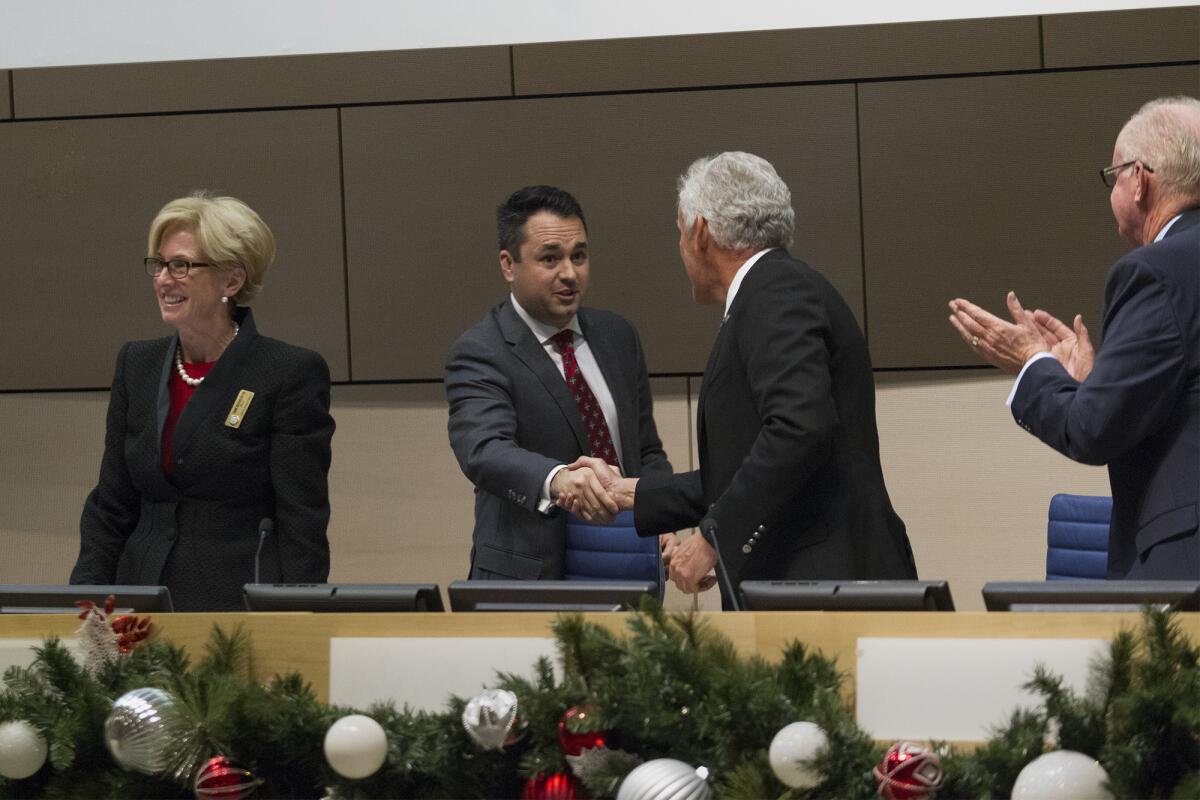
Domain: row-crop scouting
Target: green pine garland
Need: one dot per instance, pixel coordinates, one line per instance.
(670, 688)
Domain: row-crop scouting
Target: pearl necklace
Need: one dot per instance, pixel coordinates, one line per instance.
(188, 379)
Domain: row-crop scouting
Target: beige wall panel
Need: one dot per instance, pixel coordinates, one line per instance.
(812, 54)
(975, 186)
(78, 199)
(5, 94)
(233, 83)
(49, 462)
(402, 509)
(1142, 36)
(422, 184)
(972, 487)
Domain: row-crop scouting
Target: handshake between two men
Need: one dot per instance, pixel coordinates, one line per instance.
(597, 492)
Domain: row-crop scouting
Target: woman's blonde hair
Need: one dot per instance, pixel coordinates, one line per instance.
(230, 234)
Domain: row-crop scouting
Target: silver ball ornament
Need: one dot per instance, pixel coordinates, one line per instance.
(138, 731)
(665, 779)
(356, 746)
(792, 748)
(489, 718)
(22, 750)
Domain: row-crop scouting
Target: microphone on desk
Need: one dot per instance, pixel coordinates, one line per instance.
(265, 528)
(708, 529)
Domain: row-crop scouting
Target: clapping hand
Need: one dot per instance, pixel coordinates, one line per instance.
(1006, 345)
(1072, 347)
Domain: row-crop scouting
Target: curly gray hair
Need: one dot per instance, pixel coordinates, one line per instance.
(743, 199)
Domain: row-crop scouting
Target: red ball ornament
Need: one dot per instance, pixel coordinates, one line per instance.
(559, 786)
(220, 779)
(908, 772)
(573, 733)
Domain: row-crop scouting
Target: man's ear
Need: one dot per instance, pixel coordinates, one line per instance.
(506, 265)
(700, 233)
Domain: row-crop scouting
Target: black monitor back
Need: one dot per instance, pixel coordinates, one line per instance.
(343, 597)
(1090, 595)
(846, 596)
(45, 598)
(548, 595)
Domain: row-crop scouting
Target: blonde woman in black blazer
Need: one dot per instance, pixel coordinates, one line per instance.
(212, 429)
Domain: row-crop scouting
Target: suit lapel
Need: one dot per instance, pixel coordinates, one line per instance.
(529, 351)
(612, 365)
(216, 390)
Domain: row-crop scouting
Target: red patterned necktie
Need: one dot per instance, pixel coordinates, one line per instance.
(594, 424)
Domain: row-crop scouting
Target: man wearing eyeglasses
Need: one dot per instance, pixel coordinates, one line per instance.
(1134, 405)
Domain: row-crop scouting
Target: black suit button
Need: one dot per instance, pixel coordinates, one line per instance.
(746, 549)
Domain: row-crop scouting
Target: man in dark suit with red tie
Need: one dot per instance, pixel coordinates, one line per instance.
(788, 446)
(1135, 405)
(538, 383)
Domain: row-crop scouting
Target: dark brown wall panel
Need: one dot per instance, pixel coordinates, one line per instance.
(422, 184)
(811, 54)
(975, 186)
(264, 82)
(78, 199)
(1142, 36)
(5, 97)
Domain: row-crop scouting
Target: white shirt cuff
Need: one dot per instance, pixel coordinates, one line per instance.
(545, 504)
(1021, 374)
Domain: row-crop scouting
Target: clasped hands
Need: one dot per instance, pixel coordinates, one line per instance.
(1008, 345)
(597, 492)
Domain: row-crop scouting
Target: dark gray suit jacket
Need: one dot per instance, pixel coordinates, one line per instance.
(1139, 409)
(512, 419)
(789, 450)
(196, 530)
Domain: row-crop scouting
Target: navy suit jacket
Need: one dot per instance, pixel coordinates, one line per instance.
(196, 529)
(1139, 409)
(512, 420)
(789, 449)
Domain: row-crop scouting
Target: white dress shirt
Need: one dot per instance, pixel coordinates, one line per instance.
(591, 373)
(740, 276)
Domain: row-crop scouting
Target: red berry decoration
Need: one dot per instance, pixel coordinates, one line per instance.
(577, 731)
(220, 779)
(908, 772)
(559, 786)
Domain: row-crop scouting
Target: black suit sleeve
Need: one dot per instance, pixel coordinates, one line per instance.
(1135, 382)
(112, 509)
(782, 335)
(300, 455)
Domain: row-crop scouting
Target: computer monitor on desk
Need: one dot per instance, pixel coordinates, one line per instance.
(846, 596)
(1091, 595)
(548, 595)
(44, 598)
(343, 597)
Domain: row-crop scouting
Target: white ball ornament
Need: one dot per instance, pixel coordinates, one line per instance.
(1062, 775)
(22, 750)
(665, 779)
(792, 748)
(355, 746)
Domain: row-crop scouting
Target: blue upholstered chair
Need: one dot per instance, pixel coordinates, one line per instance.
(1077, 537)
(611, 552)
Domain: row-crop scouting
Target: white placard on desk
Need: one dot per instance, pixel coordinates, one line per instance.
(957, 689)
(423, 672)
(19, 652)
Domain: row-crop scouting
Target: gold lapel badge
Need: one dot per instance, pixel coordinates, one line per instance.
(238, 412)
